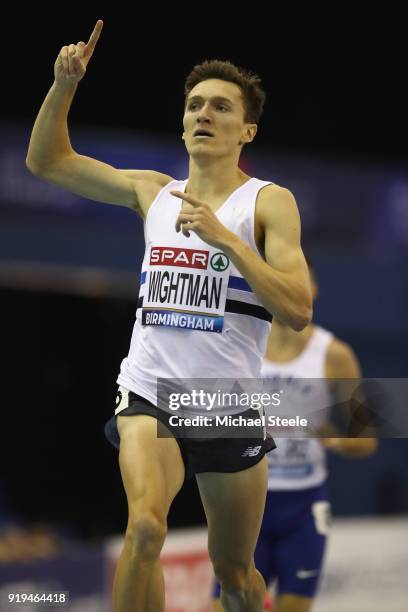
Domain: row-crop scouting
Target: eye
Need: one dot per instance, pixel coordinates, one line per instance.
(222, 107)
(193, 106)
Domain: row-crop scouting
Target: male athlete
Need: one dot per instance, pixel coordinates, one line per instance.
(222, 256)
(295, 525)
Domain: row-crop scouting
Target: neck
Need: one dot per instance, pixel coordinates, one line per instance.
(213, 177)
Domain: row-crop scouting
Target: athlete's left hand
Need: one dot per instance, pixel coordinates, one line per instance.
(198, 217)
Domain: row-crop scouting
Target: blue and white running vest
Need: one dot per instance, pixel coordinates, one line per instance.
(197, 317)
(300, 463)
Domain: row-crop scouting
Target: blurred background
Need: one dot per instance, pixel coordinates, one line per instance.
(334, 132)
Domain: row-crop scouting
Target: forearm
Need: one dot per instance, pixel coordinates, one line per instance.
(282, 294)
(50, 138)
(352, 447)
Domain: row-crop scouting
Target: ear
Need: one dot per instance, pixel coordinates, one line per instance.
(249, 133)
(182, 137)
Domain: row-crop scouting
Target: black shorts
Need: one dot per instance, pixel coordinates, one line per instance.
(219, 454)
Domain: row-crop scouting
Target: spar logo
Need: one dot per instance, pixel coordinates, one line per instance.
(183, 258)
(219, 262)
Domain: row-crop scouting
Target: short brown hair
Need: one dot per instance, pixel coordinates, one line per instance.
(249, 83)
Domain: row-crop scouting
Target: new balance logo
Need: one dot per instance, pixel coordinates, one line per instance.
(251, 451)
(302, 573)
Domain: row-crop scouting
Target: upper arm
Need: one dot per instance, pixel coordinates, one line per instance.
(341, 361)
(279, 218)
(342, 371)
(102, 182)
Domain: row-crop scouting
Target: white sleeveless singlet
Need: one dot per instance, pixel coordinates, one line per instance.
(197, 317)
(300, 463)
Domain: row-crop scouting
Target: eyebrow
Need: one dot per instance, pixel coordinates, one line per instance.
(213, 99)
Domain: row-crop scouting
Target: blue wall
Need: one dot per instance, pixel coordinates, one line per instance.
(355, 226)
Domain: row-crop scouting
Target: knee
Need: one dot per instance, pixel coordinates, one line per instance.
(231, 576)
(145, 535)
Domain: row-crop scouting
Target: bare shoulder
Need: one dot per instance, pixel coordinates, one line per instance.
(341, 360)
(274, 203)
(338, 350)
(147, 184)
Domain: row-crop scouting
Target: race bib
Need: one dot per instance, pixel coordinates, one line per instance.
(186, 288)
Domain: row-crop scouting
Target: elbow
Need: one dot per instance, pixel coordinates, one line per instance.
(45, 167)
(302, 312)
(362, 448)
(301, 318)
(34, 167)
(41, 166)
(371, 446)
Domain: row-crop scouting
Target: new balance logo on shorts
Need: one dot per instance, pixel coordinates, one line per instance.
(251, 451)
(302, 573)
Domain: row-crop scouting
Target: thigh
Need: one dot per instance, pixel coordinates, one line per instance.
(299, 557)
(264, 551)
(234, 505)
(264, 561)
(152, 468)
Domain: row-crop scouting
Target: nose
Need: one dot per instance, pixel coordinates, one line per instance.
(204, 115)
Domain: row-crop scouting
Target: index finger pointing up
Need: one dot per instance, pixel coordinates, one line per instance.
(187, 198)
(93, 39)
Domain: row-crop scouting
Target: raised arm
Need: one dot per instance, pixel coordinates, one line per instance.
(50, 153)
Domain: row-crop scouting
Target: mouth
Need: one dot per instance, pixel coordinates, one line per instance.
(203, 134)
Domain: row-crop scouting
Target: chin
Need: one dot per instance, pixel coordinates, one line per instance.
(200, 150)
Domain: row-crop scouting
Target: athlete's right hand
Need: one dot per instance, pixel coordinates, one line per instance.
(72, 60)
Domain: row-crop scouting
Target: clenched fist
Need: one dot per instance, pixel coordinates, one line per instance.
(72, 60)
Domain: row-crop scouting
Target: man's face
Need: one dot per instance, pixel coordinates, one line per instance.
(213, 120)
